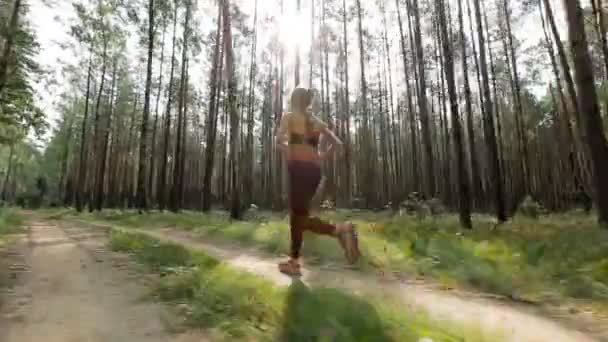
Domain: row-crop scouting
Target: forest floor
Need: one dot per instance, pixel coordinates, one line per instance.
(66, 287)
(395, 294)
(549, 267)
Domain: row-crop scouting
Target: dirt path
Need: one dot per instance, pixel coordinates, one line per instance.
(513, 323)
(70, 289)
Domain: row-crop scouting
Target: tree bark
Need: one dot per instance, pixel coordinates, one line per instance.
(11, 31)
(162, 187)
(155, 126)
(463, 182)
(422, 102)
(142, 193)
(176, 190)
(490, 134)
(235, 205)
(82, 169)
(585, 83)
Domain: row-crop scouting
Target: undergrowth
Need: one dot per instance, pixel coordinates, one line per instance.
(10, 223)
(549, 259)
(246, 307)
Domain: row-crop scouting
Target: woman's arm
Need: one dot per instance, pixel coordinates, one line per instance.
(282, 134)
(335, 143)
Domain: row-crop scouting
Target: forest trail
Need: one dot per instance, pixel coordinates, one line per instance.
(490, 316)
(70, 289)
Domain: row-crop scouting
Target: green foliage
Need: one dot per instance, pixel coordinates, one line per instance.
(18, 111)
(10, 221)
(24, 183)
(245, 307)
(544, 259)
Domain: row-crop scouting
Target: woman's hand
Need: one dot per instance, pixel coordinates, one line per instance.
(330, 152)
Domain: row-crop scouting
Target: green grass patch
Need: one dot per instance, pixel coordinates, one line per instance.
(245, 307)
(10, 223)
(554, 258)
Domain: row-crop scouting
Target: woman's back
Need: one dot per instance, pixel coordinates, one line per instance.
(302, 132)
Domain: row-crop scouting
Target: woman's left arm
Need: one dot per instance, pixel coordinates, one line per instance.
(335, 143)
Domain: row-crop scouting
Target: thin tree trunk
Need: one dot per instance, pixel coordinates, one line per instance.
(162, 188)
(155, 126)
(95, 141)
(82, 169)
(366, 143)
(212, 117)
(142, 193)
(235, 205)
(520, 128)
(176, 195)
(347, 156)
(490, 135)
(475, 176)
(99, 198)
(463, 182)
(422, 102)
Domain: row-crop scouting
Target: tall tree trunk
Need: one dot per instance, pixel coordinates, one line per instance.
(520, 128)
(162, 182)
(155, 126)
(101, 172)
(11, 32)
(212, 116)
(367, 180)
(82, 169)
(422, 102)
(593, 124)
(347, 155)
(475, 176)
(63, 180)
(250, 155)
(463, 182)
(297, 65)
(96, 141)
(176, 195)
(142, 193)
(563, 60)
(410, 107)
(490, 134)
(235, 205)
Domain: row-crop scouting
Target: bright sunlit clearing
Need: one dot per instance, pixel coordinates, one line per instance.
(295, 31)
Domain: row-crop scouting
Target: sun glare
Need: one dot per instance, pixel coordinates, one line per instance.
(295, 32)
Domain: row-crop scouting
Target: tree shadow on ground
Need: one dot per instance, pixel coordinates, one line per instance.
(324, 314)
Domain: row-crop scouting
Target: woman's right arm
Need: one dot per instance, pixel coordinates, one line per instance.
(282, 134)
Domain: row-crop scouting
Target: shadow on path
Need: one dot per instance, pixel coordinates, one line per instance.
(324, 314)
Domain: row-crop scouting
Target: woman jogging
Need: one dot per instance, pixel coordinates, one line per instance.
(298, 136)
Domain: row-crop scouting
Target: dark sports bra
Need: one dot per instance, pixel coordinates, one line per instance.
(301, 139)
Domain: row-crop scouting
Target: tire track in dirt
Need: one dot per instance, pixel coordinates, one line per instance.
(72, 290)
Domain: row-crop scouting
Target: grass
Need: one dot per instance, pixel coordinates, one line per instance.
(245, 307)
(554, 259)
(10, 223)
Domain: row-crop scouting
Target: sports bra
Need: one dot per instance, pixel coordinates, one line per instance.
(296, 138)
(311, 138)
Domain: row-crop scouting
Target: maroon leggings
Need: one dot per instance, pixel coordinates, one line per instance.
(304, 178)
